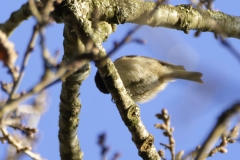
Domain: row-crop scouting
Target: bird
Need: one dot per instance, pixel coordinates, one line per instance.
(144, 77)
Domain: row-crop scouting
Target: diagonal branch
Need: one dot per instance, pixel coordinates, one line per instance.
(18, 145)
(218, 130)
(25, 61)
(129, 111)
(16, 19)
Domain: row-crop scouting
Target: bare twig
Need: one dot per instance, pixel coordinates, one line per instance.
(193, 154)
(30, 115)
(48, 79)
(179, 155)
(118, 45)
(102, 143)
(18, 145)
(104, 148)
(116, 156)
(7, 87)
(161, 153)
(168, 131)
(225, 140)
(27, 130)
(34, 10)
(126, 38)
(41, 23)
(228, 45)
(218, 130)
(25, 61)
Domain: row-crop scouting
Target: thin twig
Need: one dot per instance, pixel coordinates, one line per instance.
(218, 130)
(123, 41)
(34, 10)
(27, 130)
(30, 47)
(165, 117)
(48, 79)
(234, 52)
(117, 46)
(18, 146)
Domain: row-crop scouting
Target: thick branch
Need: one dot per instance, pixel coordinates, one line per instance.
(184, 17)
(68, 122)
(181, 17)
(129, 111)
(16, 19)
(70, 104)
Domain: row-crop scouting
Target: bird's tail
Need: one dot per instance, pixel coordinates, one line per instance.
(191, 76)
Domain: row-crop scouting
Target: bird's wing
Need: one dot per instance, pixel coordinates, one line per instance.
(174, 67)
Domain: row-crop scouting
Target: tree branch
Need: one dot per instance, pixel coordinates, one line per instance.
(16, 19)
(129, 111)
(180, 17)
(185, 18)
(29, 49)
(217, 131)
(47, 80)
(19, 146)
(70, 105)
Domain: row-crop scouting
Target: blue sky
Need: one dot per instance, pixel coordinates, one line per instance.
(194, 108)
